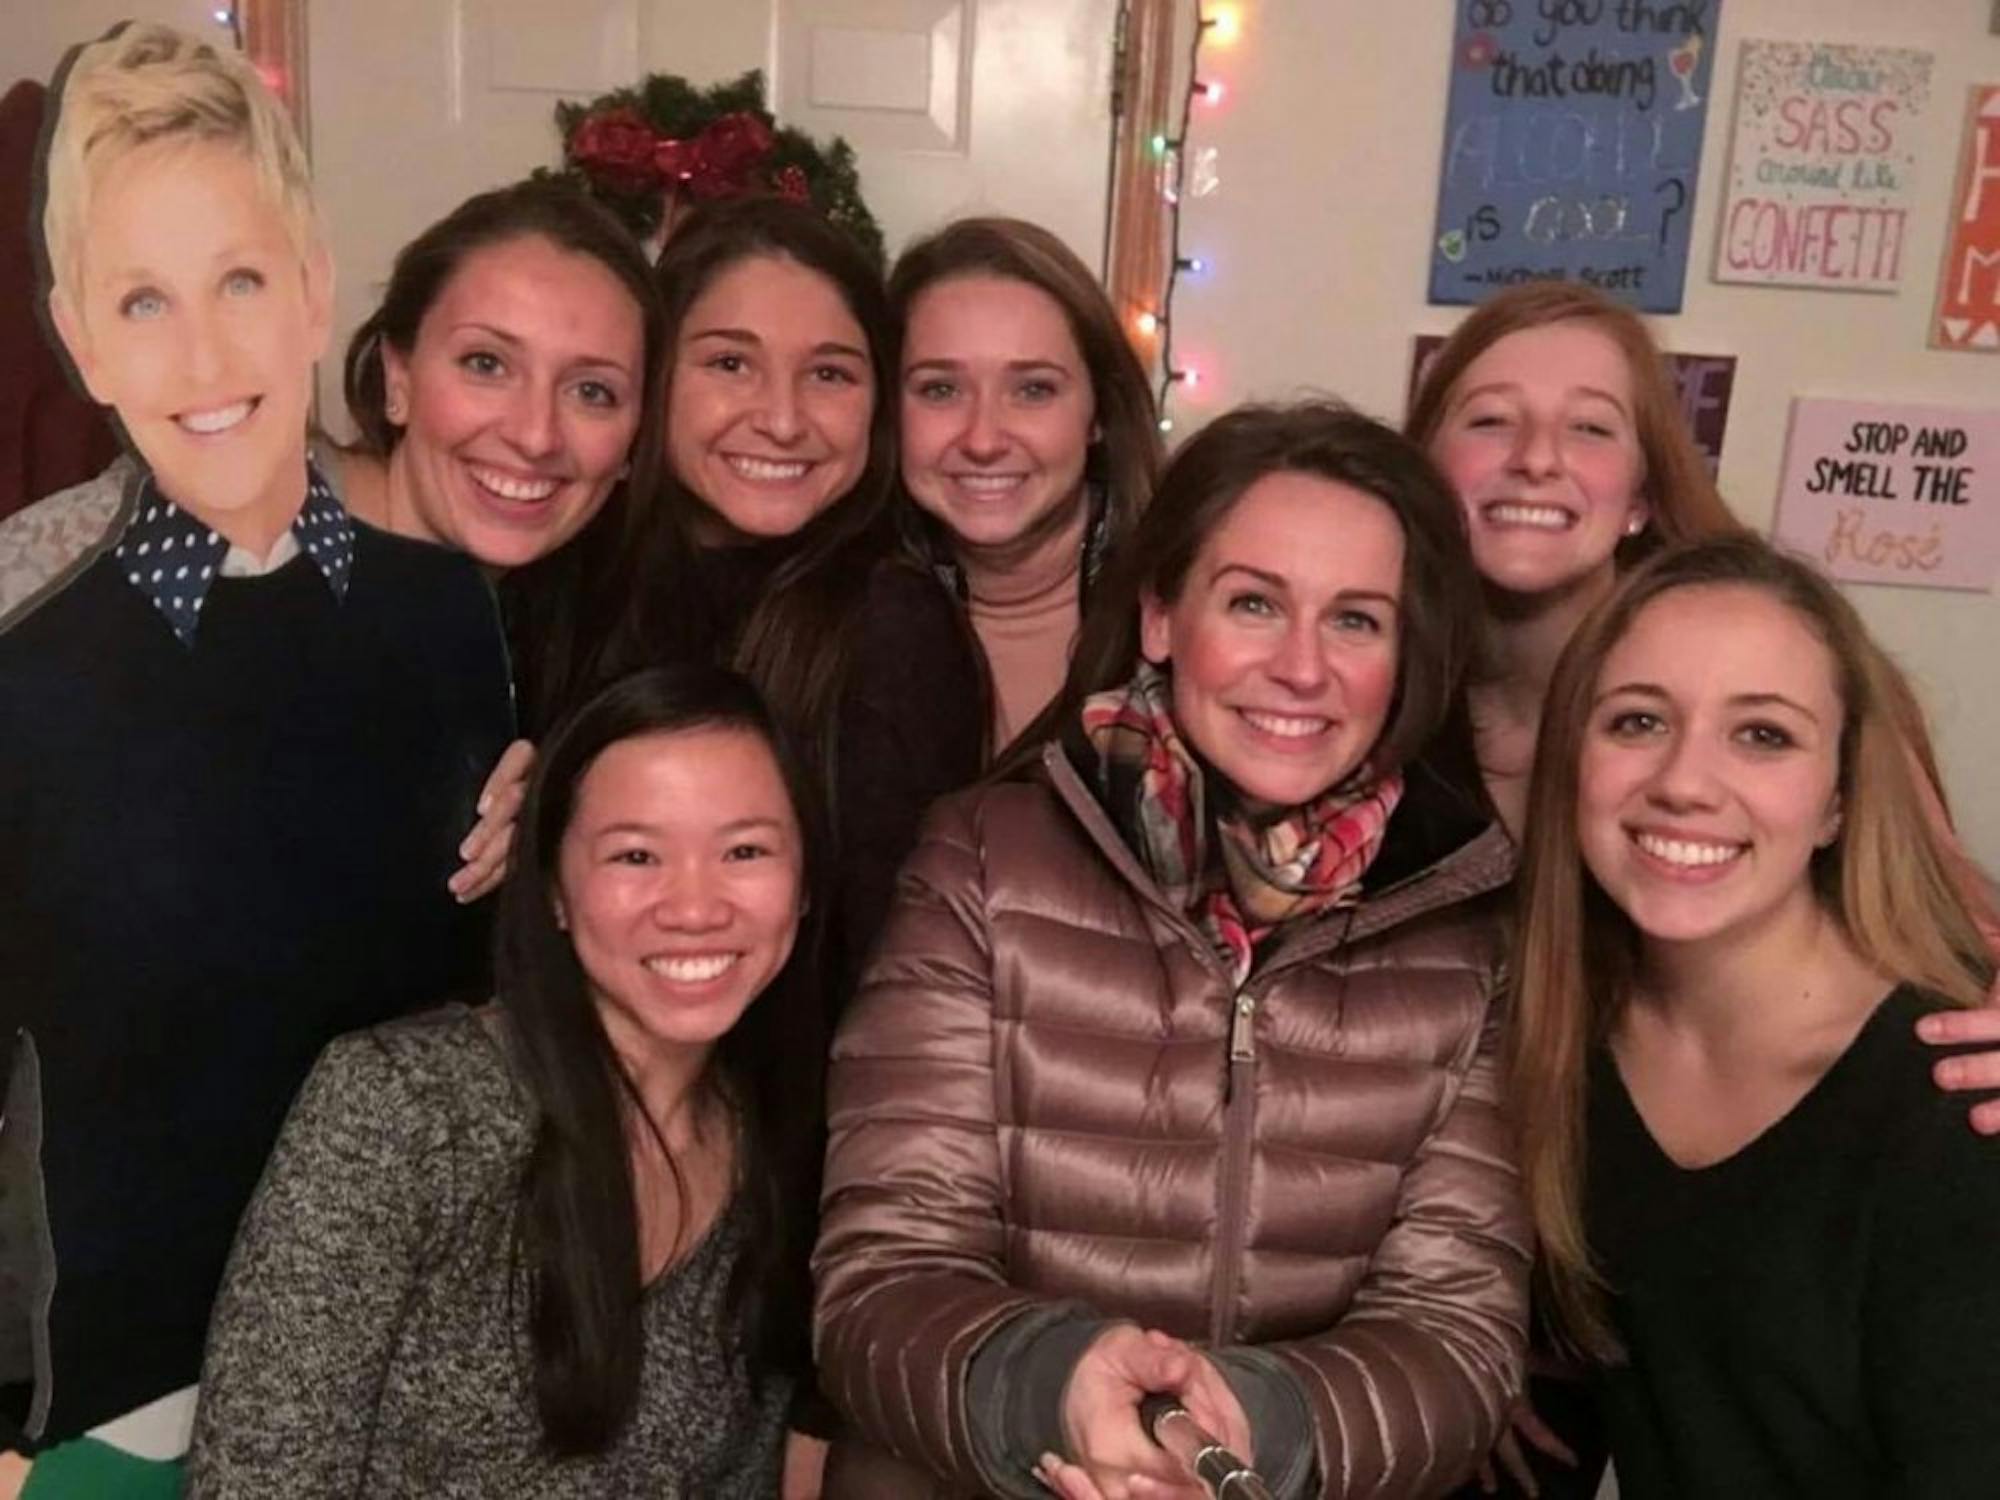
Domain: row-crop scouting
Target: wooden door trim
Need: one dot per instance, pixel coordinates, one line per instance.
(274, 39)
(1143, 95)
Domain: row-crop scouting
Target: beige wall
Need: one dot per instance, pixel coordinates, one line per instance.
(1328, 148)
(34, 34)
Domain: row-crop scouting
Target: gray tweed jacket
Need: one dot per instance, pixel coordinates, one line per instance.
(371, 1336)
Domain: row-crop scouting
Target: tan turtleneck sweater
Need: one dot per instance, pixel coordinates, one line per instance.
(1027, 639)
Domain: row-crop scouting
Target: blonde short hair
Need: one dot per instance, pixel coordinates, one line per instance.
(140, 83)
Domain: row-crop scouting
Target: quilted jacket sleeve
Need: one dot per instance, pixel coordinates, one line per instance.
(1411, 1387)
(910, 1269)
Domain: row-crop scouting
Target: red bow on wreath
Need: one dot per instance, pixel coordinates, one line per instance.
(621, 150)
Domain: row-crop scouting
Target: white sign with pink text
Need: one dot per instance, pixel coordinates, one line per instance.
(1881, 493)
(1822, 166)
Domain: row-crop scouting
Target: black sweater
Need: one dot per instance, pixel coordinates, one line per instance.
(1819, 1314)
(910, 726)
(212, 861)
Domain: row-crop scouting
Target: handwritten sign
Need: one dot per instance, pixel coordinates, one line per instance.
(1876, 493)
(1703, 382)
(1968, 310)
(1571, 146)
(1822, 166)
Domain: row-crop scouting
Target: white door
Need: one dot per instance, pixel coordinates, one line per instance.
(960, 106)
(953, 106)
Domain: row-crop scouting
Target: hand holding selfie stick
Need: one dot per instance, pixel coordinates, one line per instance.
(1222, 1473)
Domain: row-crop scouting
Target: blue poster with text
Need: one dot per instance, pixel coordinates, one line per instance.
(1571, 146)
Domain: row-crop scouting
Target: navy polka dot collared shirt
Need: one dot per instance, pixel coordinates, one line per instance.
(172, 558)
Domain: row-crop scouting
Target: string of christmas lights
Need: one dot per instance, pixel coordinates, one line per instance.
(1218, 23)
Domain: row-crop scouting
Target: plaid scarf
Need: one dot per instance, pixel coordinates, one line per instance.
(1269, 870)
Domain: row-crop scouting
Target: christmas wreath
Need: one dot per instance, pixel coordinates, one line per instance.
(654, 150)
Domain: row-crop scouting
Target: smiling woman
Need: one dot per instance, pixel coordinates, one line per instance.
(504, 393)
(772, 395)
(1181, 1021)
(1761, 1222)
(557, 1245)
(771, 547)
(281, 709)
(1550, 410)
(191, 311)
(501, 386)
(1029, 442)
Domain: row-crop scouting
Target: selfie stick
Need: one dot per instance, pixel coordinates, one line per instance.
(1222, 1473)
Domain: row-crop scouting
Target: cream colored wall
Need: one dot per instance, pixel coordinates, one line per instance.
(34, 34)
(1328, 144)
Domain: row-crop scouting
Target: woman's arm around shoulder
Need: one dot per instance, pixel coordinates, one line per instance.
(909, 1270)
(325, 1257)
(1410, 1388)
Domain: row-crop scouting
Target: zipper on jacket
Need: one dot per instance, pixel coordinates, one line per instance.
(1238, 1122)
(1243, 1035)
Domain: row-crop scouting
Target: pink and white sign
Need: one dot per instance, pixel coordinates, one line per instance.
(1879, 493)
(1822, 165)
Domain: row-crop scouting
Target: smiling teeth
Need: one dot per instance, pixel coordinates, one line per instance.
(1686, 852)
(989, 484)
(769, 469)
(221, 419)
(510, 488)
(692, 970)
(1286, 726)
(1547, 517)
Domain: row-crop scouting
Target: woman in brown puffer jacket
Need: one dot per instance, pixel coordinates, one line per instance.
(1174, 1069)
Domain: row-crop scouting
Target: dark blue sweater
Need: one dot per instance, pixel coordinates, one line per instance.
(212, 861)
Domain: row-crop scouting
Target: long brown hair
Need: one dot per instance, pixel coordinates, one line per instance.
(1125, 458)
(1202, 485)
(1889, 878)
(798, 642)
(1681, 499)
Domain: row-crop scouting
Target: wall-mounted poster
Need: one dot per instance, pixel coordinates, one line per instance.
(1822, 166)
(1968, 309)
(1880, 493)
(1703, 382)
(1571, 145)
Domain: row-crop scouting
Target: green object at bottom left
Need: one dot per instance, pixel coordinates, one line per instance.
(91, 1470)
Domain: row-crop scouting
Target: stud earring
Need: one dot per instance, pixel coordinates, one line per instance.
(1635, 524)
(393, 408)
